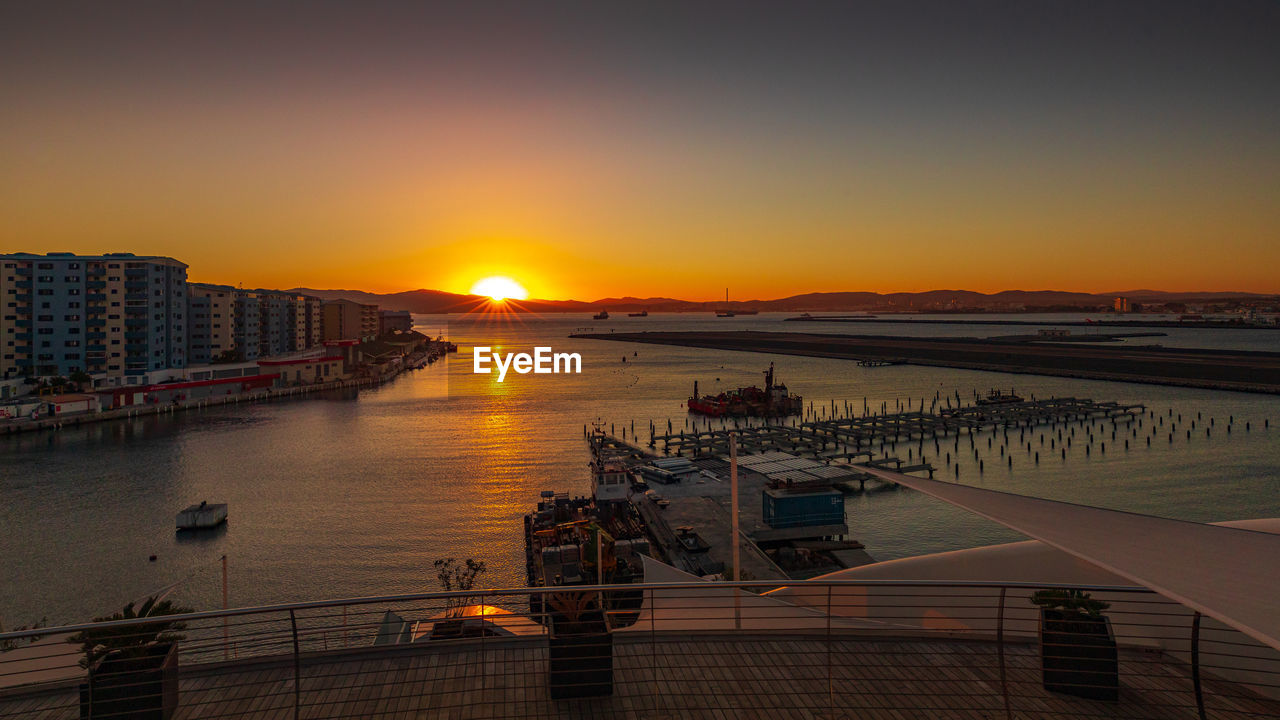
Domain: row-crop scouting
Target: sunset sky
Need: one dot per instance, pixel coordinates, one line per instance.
(654, 148)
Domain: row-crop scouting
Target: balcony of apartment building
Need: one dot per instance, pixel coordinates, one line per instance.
(135, 272)
(135, 285)
(96, 284)
(22, 284)
(96, 297)
(135, 295)
(22, 271)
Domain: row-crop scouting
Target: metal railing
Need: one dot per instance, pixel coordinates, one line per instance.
(829, 648)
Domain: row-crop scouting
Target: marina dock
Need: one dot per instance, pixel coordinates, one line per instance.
(849, 436)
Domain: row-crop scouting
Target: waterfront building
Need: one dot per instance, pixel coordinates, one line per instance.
(115, 315)
(72, 403)
(349, 320)
(304, 322)
(243, 324)
(306, 370)
(248, 325)
(390, 321)
(198, 329)
(216, 338)
(312, 310)
(275, 331)
(1122, 305)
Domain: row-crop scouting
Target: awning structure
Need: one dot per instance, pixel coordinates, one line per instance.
(1229, 574)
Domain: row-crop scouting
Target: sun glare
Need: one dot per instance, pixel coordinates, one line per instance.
(500, 288)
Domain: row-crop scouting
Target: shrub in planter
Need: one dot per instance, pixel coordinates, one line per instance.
(580, 656)
(133, 670)
(1077, 646)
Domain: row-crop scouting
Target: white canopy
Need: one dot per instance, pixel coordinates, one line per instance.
(1230, 574)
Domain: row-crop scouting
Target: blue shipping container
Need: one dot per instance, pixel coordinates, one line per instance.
(783, 509)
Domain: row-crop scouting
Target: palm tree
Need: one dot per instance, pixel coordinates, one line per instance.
(131, 640)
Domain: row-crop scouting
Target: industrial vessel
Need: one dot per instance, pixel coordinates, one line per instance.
(773, 400)
(597, 540)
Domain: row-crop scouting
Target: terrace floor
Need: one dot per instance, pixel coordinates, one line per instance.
(691, 676)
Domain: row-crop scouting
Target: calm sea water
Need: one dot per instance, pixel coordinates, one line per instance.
(357, 494)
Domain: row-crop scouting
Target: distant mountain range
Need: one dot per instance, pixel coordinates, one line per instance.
(437, 301)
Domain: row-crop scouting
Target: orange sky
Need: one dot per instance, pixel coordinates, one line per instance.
(650, 163)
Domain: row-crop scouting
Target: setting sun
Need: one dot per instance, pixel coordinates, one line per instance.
(500, 288)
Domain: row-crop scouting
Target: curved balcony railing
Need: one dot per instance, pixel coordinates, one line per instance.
(811, 648)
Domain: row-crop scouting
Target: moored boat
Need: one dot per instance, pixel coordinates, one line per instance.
(774, 400)
(202, 516)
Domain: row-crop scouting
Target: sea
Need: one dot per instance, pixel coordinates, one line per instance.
(352, 494)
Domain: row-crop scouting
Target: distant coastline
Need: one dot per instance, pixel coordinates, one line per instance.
(935, 301)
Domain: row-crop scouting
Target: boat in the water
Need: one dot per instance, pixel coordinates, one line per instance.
(597, 540)
(203, 516)
(642, 313)
(774, 400)
(602, 315)
(730, 313)
(996, 397)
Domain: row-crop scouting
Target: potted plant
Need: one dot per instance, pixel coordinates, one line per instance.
(133, 670)
(1077, 646)
(581, 648)
(453, 577)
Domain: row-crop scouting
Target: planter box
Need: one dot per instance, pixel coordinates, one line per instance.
(1078, 656)
(138, 688)
(580, 658)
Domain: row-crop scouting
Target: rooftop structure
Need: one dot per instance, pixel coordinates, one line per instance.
(697, 649)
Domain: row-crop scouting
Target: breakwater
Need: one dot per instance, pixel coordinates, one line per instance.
(911, 319)
(1243, 371)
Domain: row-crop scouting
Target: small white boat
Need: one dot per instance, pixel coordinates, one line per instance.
(202, 516)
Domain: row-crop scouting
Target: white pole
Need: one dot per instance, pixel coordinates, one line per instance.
(733, 539)
(225, 649)
(733, 502)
